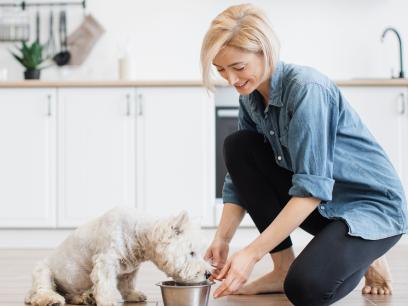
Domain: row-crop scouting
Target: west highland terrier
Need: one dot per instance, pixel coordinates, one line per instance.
(104, 255)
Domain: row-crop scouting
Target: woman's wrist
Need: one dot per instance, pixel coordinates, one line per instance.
(231, 217)
(255, 252)
(222, 238)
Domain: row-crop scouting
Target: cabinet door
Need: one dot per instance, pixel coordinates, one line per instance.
(95, 152)
(27, 158)
(175, 155)
(380, 110)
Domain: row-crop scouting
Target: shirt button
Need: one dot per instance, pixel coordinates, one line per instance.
(279, 157)
(271, 132)
(322, 207)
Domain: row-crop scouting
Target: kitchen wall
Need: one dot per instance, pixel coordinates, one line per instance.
(339, 37)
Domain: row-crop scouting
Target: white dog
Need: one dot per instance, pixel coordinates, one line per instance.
(106, 253)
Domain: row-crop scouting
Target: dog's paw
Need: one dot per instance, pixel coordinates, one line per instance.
(85, 298)
(89, 298)
(105, 301)
(47, 298)
(135, 296)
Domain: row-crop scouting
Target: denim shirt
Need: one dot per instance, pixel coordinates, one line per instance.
(315, 133)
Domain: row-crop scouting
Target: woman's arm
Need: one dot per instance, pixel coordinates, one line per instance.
(217, 252)
(238, 268)
(231, 217)
(291, 216)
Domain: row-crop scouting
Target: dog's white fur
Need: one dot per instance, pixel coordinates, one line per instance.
(105, 254)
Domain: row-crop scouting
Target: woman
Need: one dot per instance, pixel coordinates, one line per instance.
(301, 158)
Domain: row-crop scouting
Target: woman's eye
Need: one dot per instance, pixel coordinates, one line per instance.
(220, 70)
(192, 254)
(240, 68)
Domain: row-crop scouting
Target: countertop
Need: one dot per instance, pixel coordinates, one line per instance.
(176, 83)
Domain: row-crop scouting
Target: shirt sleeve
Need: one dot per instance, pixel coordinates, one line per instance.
(229, 192)
(311, 141)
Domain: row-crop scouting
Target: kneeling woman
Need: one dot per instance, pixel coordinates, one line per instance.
(301, 158)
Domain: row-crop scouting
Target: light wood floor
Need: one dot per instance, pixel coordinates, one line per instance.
(16, 266)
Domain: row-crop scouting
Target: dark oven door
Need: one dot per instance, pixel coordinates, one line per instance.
(226, 122)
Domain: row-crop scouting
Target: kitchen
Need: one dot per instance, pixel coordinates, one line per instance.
(107, 126)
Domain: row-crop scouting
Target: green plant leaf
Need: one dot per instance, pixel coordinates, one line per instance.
(31, 55)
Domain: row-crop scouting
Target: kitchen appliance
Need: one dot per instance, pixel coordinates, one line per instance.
(226, 122)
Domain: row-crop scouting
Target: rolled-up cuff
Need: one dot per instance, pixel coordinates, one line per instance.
(230, 197)
(307, 185)
(229, 193)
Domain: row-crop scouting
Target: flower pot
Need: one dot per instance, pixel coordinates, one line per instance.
(32, 74)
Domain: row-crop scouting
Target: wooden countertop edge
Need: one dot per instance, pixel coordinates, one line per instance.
(36, 83)
(180, 83)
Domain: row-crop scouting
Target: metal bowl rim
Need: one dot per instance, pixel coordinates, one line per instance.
(208, 284)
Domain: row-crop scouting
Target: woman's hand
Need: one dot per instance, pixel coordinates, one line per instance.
(217, 253)
(236, 272)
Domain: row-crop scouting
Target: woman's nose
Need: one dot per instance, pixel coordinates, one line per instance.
(232, 78)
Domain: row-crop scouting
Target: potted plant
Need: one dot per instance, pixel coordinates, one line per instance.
(31, 59)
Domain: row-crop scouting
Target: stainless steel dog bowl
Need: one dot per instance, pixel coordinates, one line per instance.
(185, 294)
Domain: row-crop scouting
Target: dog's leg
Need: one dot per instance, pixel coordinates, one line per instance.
(104, 279)
(126, 286)
(43, 292)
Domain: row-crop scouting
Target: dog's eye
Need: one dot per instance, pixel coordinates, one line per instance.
(192, 254)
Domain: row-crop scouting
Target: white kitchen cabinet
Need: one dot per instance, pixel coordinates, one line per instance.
(175, 155)
(96, 152)
(27, 157)
(383, 110)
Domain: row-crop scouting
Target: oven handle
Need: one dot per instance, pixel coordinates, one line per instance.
(227, 113)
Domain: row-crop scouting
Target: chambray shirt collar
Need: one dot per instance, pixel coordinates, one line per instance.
(275, 90)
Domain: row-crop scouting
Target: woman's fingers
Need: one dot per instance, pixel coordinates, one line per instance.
(223, 289)
(224, 270)
(208, 255)
(228, 286)
(214, 274)
(220, 290)
(213, 256)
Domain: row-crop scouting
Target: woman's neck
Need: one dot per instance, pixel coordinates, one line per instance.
(263, 89)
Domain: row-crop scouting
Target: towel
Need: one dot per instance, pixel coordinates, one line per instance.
(83, 39)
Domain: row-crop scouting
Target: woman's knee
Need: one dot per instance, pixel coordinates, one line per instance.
(304, 288)
(239, 144)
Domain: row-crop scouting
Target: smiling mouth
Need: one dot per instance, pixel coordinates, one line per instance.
(241, 85)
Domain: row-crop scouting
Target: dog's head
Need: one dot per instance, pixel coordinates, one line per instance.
(179, 250)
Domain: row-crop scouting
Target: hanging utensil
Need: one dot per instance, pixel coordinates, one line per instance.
(37, 26)
(50, 48)
(62, 58)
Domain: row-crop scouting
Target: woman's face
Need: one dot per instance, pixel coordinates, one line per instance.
(242, 69)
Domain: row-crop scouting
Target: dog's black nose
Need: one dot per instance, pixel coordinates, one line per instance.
(207, 274)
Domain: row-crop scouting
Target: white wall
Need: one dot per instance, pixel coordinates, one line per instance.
(339, 37)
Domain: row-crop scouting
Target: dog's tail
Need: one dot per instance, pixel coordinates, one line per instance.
(43, 286)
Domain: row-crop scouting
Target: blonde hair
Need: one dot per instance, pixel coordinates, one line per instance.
(242, 26)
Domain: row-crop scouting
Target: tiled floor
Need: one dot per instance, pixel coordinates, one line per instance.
(16, 266)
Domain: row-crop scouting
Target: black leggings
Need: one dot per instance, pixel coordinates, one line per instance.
(333, 263)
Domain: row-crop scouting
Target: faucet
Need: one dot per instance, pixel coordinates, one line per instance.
(401, 73)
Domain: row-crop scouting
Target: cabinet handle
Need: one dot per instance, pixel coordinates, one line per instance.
(401, 104)
(128, 105)
(49, 111)
(140, 104)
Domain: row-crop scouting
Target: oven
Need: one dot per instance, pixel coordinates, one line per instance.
(226, 122)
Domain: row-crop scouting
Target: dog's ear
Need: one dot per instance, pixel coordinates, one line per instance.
(178, 222)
